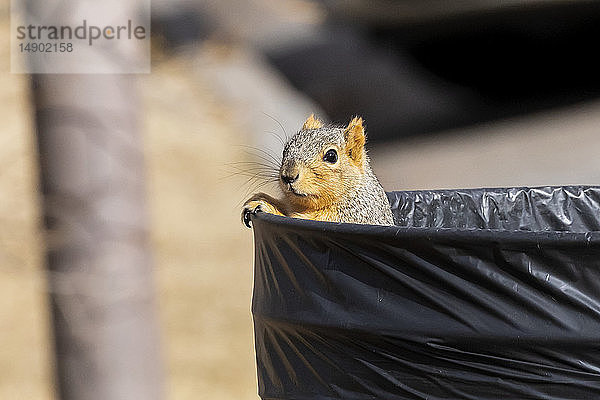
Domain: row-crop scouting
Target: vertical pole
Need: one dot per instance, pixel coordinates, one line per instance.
(98, 259)
(99, 267)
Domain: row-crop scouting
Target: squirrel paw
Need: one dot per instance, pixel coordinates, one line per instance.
(251, 208)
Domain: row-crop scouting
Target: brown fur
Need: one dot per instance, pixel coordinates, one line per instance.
(355, 138)
(344, 191)
(312, 123)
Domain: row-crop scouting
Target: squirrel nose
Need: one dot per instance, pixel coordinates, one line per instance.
(289, 179)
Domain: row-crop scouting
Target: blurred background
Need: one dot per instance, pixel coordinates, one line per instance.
(471, 93)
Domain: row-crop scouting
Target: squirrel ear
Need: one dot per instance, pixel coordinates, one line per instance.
(312, 123)
(355, 140)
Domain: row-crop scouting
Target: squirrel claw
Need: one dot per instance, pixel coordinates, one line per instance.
(247, 212)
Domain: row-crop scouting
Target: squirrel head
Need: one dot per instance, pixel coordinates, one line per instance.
(322, 164)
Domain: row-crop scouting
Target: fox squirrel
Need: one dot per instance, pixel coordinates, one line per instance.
(325, 176)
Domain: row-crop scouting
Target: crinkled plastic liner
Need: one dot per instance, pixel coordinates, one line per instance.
(476, 294)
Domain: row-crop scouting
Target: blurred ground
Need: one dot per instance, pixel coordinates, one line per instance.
(24, 355)
(203, 256)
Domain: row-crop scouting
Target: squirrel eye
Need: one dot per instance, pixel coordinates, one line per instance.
(331, 156)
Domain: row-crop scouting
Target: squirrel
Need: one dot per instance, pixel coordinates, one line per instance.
(325, 176)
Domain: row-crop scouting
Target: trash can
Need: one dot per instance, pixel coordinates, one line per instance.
(474, 294)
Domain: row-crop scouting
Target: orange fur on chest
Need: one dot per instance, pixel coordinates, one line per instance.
(319, 215)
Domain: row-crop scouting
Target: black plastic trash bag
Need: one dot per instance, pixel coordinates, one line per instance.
(476, 294)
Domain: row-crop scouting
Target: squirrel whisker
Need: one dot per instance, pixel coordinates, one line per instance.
(279, 138)
(263, 154)
(280, 125)
(257, 171)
